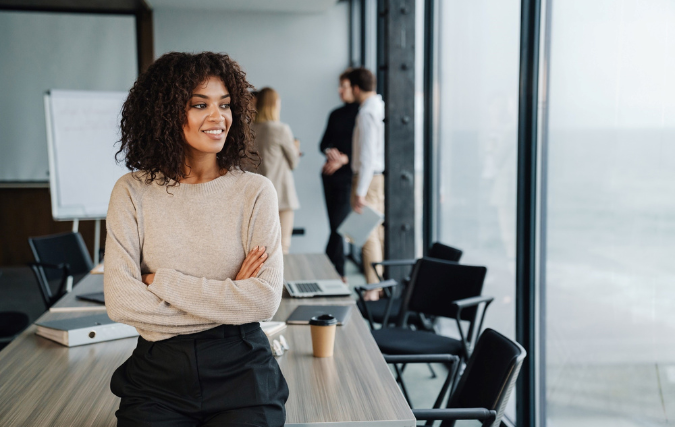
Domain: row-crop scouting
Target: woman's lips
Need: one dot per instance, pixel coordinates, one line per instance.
(214, 134)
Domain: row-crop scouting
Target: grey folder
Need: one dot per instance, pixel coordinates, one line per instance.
(357, 227)
(84, 330)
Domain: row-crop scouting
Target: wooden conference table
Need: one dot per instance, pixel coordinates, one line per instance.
(45, 384)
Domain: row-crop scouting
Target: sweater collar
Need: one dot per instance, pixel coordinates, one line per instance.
(205, 188)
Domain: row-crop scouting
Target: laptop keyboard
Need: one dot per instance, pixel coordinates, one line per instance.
(307, 287)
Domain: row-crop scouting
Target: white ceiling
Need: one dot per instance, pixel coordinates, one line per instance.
(295, 6)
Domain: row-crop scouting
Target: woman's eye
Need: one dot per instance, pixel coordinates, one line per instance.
(199, 106)
(225, 106)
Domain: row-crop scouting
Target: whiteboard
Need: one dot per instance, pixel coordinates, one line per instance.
(82, 132)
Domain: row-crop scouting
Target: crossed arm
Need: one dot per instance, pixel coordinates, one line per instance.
(158, 302)
(249, 268)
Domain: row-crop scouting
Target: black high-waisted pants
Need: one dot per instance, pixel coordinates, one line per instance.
(226, 376)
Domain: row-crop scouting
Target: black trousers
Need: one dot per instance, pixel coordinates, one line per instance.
(337, 191)
(226, 376)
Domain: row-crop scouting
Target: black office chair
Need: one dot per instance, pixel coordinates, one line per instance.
(485, 386)
(11, 324)
(57, 257)
(442, 289)
(376, 311)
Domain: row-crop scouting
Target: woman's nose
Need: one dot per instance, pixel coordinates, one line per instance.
(215, 115)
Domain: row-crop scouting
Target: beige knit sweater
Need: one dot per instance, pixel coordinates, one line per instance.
(194, 238)
(278, 155)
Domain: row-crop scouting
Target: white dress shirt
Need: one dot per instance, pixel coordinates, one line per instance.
(368, 143)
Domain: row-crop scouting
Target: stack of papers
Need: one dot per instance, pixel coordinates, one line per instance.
(272, 328)
(98, 269)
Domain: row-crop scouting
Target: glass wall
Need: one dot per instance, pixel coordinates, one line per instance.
(475, 92)
(610, 268)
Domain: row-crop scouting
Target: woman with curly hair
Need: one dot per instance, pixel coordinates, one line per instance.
(193, 254)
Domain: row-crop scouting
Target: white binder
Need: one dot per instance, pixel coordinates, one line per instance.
(84, 330)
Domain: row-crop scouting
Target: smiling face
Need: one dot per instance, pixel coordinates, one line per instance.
(209, 117)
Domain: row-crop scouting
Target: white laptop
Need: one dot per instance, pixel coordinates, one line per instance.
(317, 288)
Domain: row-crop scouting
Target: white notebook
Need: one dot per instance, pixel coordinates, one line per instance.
(356, 227)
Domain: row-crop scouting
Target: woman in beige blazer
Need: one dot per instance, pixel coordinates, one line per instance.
(279, 154)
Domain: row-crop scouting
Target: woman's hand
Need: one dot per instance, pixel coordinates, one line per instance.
(148, 279)
(252, 264)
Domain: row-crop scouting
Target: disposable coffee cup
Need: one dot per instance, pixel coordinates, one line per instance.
(323, 335)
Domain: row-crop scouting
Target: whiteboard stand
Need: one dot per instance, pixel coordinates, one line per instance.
(82, 130)
(69, 279)
(97, 240)
(97, 245)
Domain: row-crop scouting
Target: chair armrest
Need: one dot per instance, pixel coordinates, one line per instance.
(473, 301)
(45, 290)
(461, 305)
(394, 262)
(421, 358)
(455, 414)
(385, 284)
(361, 289)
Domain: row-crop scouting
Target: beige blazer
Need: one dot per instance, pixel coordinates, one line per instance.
(274, 142)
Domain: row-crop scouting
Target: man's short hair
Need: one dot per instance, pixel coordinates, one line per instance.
(345, 74)
(363, 78)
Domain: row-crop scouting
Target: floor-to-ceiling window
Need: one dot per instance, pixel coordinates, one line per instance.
(610, 218)
(475, 112)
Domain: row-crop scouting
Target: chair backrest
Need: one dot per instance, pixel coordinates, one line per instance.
(490, 375)
(64, 248)
(444, 252)
(435, 284)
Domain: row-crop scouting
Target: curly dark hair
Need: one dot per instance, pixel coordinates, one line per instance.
(155, 112)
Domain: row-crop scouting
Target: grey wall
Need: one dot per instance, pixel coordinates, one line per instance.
(300, 56)
(42, 51)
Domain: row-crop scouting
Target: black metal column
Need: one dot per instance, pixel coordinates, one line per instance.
(355, 33)
(429, 234)
(526, 267)
(399, 95)
(364, 28)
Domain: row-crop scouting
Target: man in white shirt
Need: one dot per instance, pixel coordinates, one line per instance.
(368, 164)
